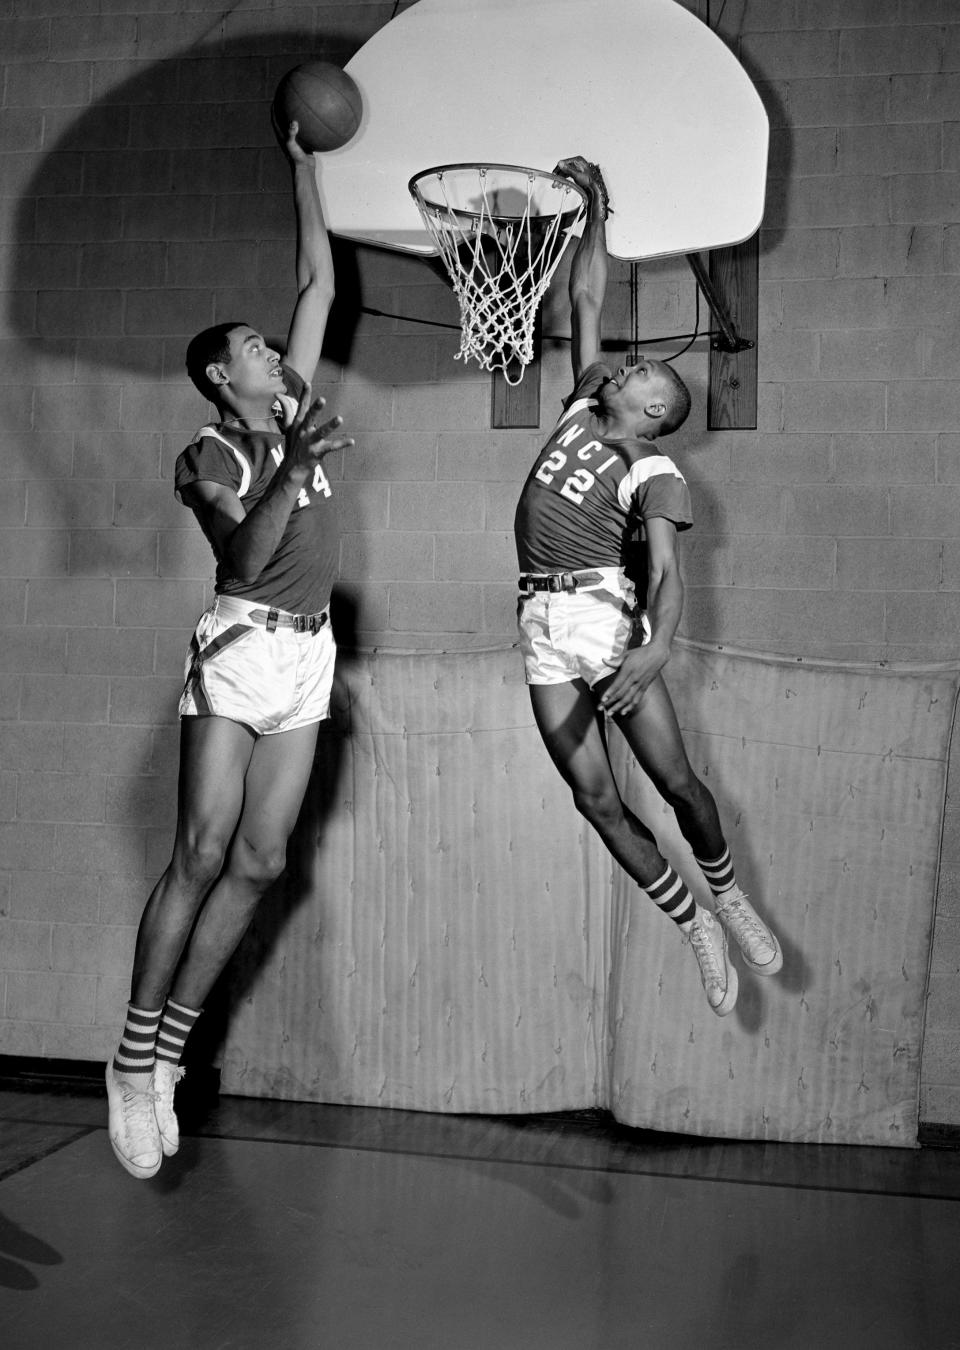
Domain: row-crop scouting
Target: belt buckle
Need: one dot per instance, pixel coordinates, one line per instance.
(301, 622)
(568, 581)
(554, 581)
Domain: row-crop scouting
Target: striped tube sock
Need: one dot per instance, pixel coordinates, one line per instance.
(670, 894)
(135, 1053)
(718, 872)
(175, 1026)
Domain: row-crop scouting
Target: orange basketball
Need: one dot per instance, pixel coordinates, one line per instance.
(323, 99)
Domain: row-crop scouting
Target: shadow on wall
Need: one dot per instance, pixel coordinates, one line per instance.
(159, 208)
(164, 207)
(325, 795)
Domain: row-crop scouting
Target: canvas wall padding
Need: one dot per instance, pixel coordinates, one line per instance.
(446, 944)
(452, 937)
(831, 780)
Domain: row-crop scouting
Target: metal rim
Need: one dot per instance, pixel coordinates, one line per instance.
(546, 175)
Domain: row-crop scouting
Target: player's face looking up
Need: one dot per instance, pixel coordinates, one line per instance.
(641, 390)
(253, 368)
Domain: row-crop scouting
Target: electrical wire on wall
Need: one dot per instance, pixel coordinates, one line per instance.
(634, 344)
(610, 344)
(636, 341)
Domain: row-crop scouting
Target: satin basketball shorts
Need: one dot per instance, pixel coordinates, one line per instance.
(266, 668)
(580, 634)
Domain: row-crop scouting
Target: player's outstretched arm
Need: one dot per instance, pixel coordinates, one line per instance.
(664, 607)
(315, 279)
(588, 270)
(246, 542)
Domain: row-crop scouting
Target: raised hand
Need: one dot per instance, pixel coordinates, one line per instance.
(577, 168)
(588, 177)
(309, 438)
(294, 150)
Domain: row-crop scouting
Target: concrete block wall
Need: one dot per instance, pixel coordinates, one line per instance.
(142, 196)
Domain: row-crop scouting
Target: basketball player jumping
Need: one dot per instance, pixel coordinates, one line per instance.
(258, 679)
(595, 642)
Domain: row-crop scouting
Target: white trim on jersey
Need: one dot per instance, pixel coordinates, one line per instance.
(245, 471)
(288, 408)
(577, 406)
(640, 472)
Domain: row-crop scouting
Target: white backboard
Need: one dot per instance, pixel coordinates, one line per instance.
(641, 87)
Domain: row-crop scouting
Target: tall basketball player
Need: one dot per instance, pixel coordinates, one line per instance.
(258, 675)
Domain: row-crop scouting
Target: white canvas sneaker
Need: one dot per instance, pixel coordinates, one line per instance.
(760, 949)
(717, 974)
(134, 1136)
(166, 1076)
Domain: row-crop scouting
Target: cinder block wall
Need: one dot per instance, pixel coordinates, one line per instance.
(143, 197)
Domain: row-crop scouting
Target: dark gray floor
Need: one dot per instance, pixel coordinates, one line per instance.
(297, 1226)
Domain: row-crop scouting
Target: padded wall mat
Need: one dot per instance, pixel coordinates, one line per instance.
(451, 936)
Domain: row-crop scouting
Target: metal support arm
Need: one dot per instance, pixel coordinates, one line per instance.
(729, 339)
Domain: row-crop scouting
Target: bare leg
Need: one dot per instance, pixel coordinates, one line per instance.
(214, 755)
(566, 716)
(652, 733)
(276, 780)
(654, 737)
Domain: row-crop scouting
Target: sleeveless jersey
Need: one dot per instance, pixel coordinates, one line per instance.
(585, 497)
(303, 568)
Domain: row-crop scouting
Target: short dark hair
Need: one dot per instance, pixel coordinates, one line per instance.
(678, 401)
(208, 347)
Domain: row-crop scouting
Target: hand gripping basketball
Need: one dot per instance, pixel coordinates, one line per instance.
(586, 175)
(323, 100)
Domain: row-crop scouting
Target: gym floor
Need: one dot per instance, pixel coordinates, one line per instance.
(290, 1226)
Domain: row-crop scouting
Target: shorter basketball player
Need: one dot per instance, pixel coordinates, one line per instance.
(594, 641)
(258, 676)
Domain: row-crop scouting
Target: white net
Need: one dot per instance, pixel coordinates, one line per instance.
(501, 231)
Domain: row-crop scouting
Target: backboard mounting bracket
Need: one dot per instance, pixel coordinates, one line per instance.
(730, 284)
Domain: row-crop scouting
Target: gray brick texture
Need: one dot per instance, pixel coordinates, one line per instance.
(144, 197)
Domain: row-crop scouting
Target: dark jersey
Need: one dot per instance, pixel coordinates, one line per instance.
(586, 498)
(304, 565)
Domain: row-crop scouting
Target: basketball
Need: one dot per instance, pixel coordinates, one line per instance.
(325, 102)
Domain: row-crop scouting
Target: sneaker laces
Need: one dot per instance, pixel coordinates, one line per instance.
(166, 1086)
(138, 1104)
(735, 911)
(706, 954)
(177, 1072)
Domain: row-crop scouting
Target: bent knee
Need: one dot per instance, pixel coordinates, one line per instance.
(681, 788)
(201, 859)
(601, 808)
(258, 863)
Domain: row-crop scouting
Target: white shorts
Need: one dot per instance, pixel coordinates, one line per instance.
(582, 634)
(271, 681)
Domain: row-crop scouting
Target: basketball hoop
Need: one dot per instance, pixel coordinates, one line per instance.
(501, 231)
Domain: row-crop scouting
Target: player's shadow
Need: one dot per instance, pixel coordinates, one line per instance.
(296, 887)
(20, 1249)
(161, 208)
